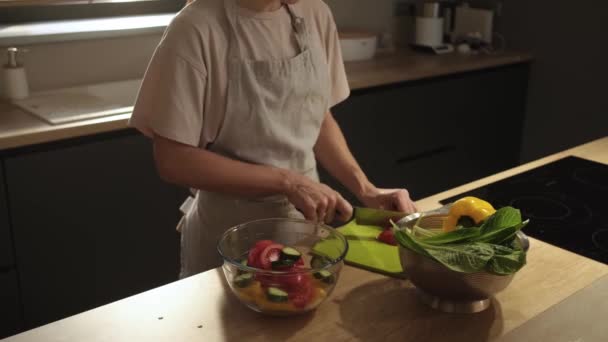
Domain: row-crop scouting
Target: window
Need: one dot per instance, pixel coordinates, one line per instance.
(16, 11)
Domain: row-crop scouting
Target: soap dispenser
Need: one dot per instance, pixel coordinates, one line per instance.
(14, 78)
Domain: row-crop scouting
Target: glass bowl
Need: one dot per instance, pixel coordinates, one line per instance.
(300, 289)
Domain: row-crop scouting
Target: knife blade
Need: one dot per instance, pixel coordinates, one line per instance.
(377, 217)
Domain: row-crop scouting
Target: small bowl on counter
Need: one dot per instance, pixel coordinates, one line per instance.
(248, 250)
(357, 45)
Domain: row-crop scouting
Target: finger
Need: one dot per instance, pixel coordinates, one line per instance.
(322, 209)
(399, 200)
(343, 209)
(309, 210)
(331, 208)
(411, 207)
(403, 202)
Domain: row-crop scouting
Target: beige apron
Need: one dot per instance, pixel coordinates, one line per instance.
(274, 113)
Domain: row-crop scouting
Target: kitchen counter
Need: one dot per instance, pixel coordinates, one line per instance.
(407, 66)
(19, 128)
(364, 306)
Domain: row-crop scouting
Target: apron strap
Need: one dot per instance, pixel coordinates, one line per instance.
(299, 28)
(232, 14)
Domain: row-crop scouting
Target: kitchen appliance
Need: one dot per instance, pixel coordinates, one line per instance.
(357, 45)
(564, 200)
(429, 29)
(472, 23)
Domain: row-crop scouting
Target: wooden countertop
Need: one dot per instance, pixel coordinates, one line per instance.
(364, 306)
(19, 128)
(406, 66)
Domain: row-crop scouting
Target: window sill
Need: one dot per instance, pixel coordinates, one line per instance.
(69, 30)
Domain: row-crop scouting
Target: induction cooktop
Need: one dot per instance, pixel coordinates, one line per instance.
(566, 202)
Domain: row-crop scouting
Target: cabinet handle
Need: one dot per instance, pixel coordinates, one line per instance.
(425, 154)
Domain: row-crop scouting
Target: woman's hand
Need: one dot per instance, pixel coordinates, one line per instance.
(318, 202)
(388, 199)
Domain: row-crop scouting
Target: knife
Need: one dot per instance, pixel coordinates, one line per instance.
(377, 217)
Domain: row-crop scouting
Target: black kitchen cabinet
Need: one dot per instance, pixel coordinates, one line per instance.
(10, 306)
(6, 246)
(432, 135)
(92, 223)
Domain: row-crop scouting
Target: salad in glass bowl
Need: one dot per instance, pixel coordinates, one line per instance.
(282, 266)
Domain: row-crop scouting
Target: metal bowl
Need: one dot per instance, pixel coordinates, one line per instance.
(448, 290)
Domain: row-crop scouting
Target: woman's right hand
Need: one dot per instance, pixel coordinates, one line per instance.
(318, 202)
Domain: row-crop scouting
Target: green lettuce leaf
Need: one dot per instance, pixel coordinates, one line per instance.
(458, 235)
(468, 258)
(506, 260)
(503, 218)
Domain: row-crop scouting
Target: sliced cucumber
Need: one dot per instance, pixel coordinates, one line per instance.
(276, 295)
(239, 271)
(290, 253)
(325, 276)
(281, 264)
(243, 280)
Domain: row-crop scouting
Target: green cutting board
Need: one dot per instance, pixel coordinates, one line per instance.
(365, 251)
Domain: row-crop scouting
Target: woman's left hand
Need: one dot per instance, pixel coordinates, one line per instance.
(389, 199)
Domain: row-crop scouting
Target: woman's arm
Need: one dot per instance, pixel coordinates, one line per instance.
(333, 153)
(201, 169)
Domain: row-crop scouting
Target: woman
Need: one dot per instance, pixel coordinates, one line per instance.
(237, 100)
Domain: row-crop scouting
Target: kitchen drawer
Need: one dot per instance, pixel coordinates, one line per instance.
(6, 248)
(10, 305)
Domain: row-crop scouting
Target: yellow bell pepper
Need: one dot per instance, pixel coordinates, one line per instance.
(476, 209)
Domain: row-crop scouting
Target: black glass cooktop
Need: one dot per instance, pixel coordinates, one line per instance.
(566, 202)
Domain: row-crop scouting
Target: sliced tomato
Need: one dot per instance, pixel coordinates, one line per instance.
(388, 237)
(269, 254)
(296, 281)
(300, 262)
(252, 258)
(301, 297)
(254, 253)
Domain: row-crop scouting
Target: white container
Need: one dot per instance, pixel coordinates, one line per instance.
(357, 45)
(429, 31)
(14, 78)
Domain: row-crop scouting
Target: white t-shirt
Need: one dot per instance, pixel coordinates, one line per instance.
(183, 94)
